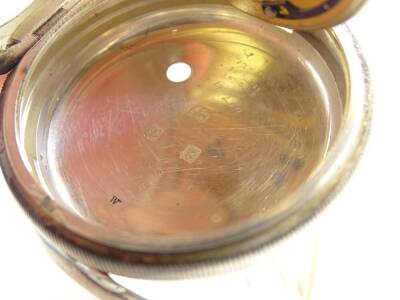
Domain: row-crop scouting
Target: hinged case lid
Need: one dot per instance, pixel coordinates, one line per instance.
(20, 34)
(305, 15)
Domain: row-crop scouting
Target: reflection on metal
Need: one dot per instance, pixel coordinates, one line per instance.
(122, 169)
(19, 34)
(93, 280)
(301, 14)
(231, 143)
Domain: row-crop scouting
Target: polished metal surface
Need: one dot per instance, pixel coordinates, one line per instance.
(176, 139)
(101, 143)
(301, 14)
(18, 35)
(97, 282)
(133, 151)
(143, 158)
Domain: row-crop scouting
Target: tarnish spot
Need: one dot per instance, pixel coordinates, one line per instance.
(279, 179)
(297, 165)
(48, 204)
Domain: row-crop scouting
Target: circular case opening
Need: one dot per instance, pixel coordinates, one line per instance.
(120, 154)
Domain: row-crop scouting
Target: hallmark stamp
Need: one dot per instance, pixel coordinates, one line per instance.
(154, 133)
(190, 154)
(200, 114)
(115, 200)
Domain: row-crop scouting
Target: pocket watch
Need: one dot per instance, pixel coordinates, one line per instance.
(169, 139)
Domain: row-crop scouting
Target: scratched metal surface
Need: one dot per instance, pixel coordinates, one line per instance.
(130, 150)
(367, 269)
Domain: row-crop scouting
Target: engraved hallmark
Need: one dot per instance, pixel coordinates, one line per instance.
(200, 114)
(190, 154)
(115, 200)
(154, 133)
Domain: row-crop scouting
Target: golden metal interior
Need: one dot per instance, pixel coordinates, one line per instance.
(139, 153)
(120, 153)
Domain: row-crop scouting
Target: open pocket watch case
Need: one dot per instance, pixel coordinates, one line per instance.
(168, 139)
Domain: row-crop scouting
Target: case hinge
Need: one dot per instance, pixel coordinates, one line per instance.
(25, 30)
